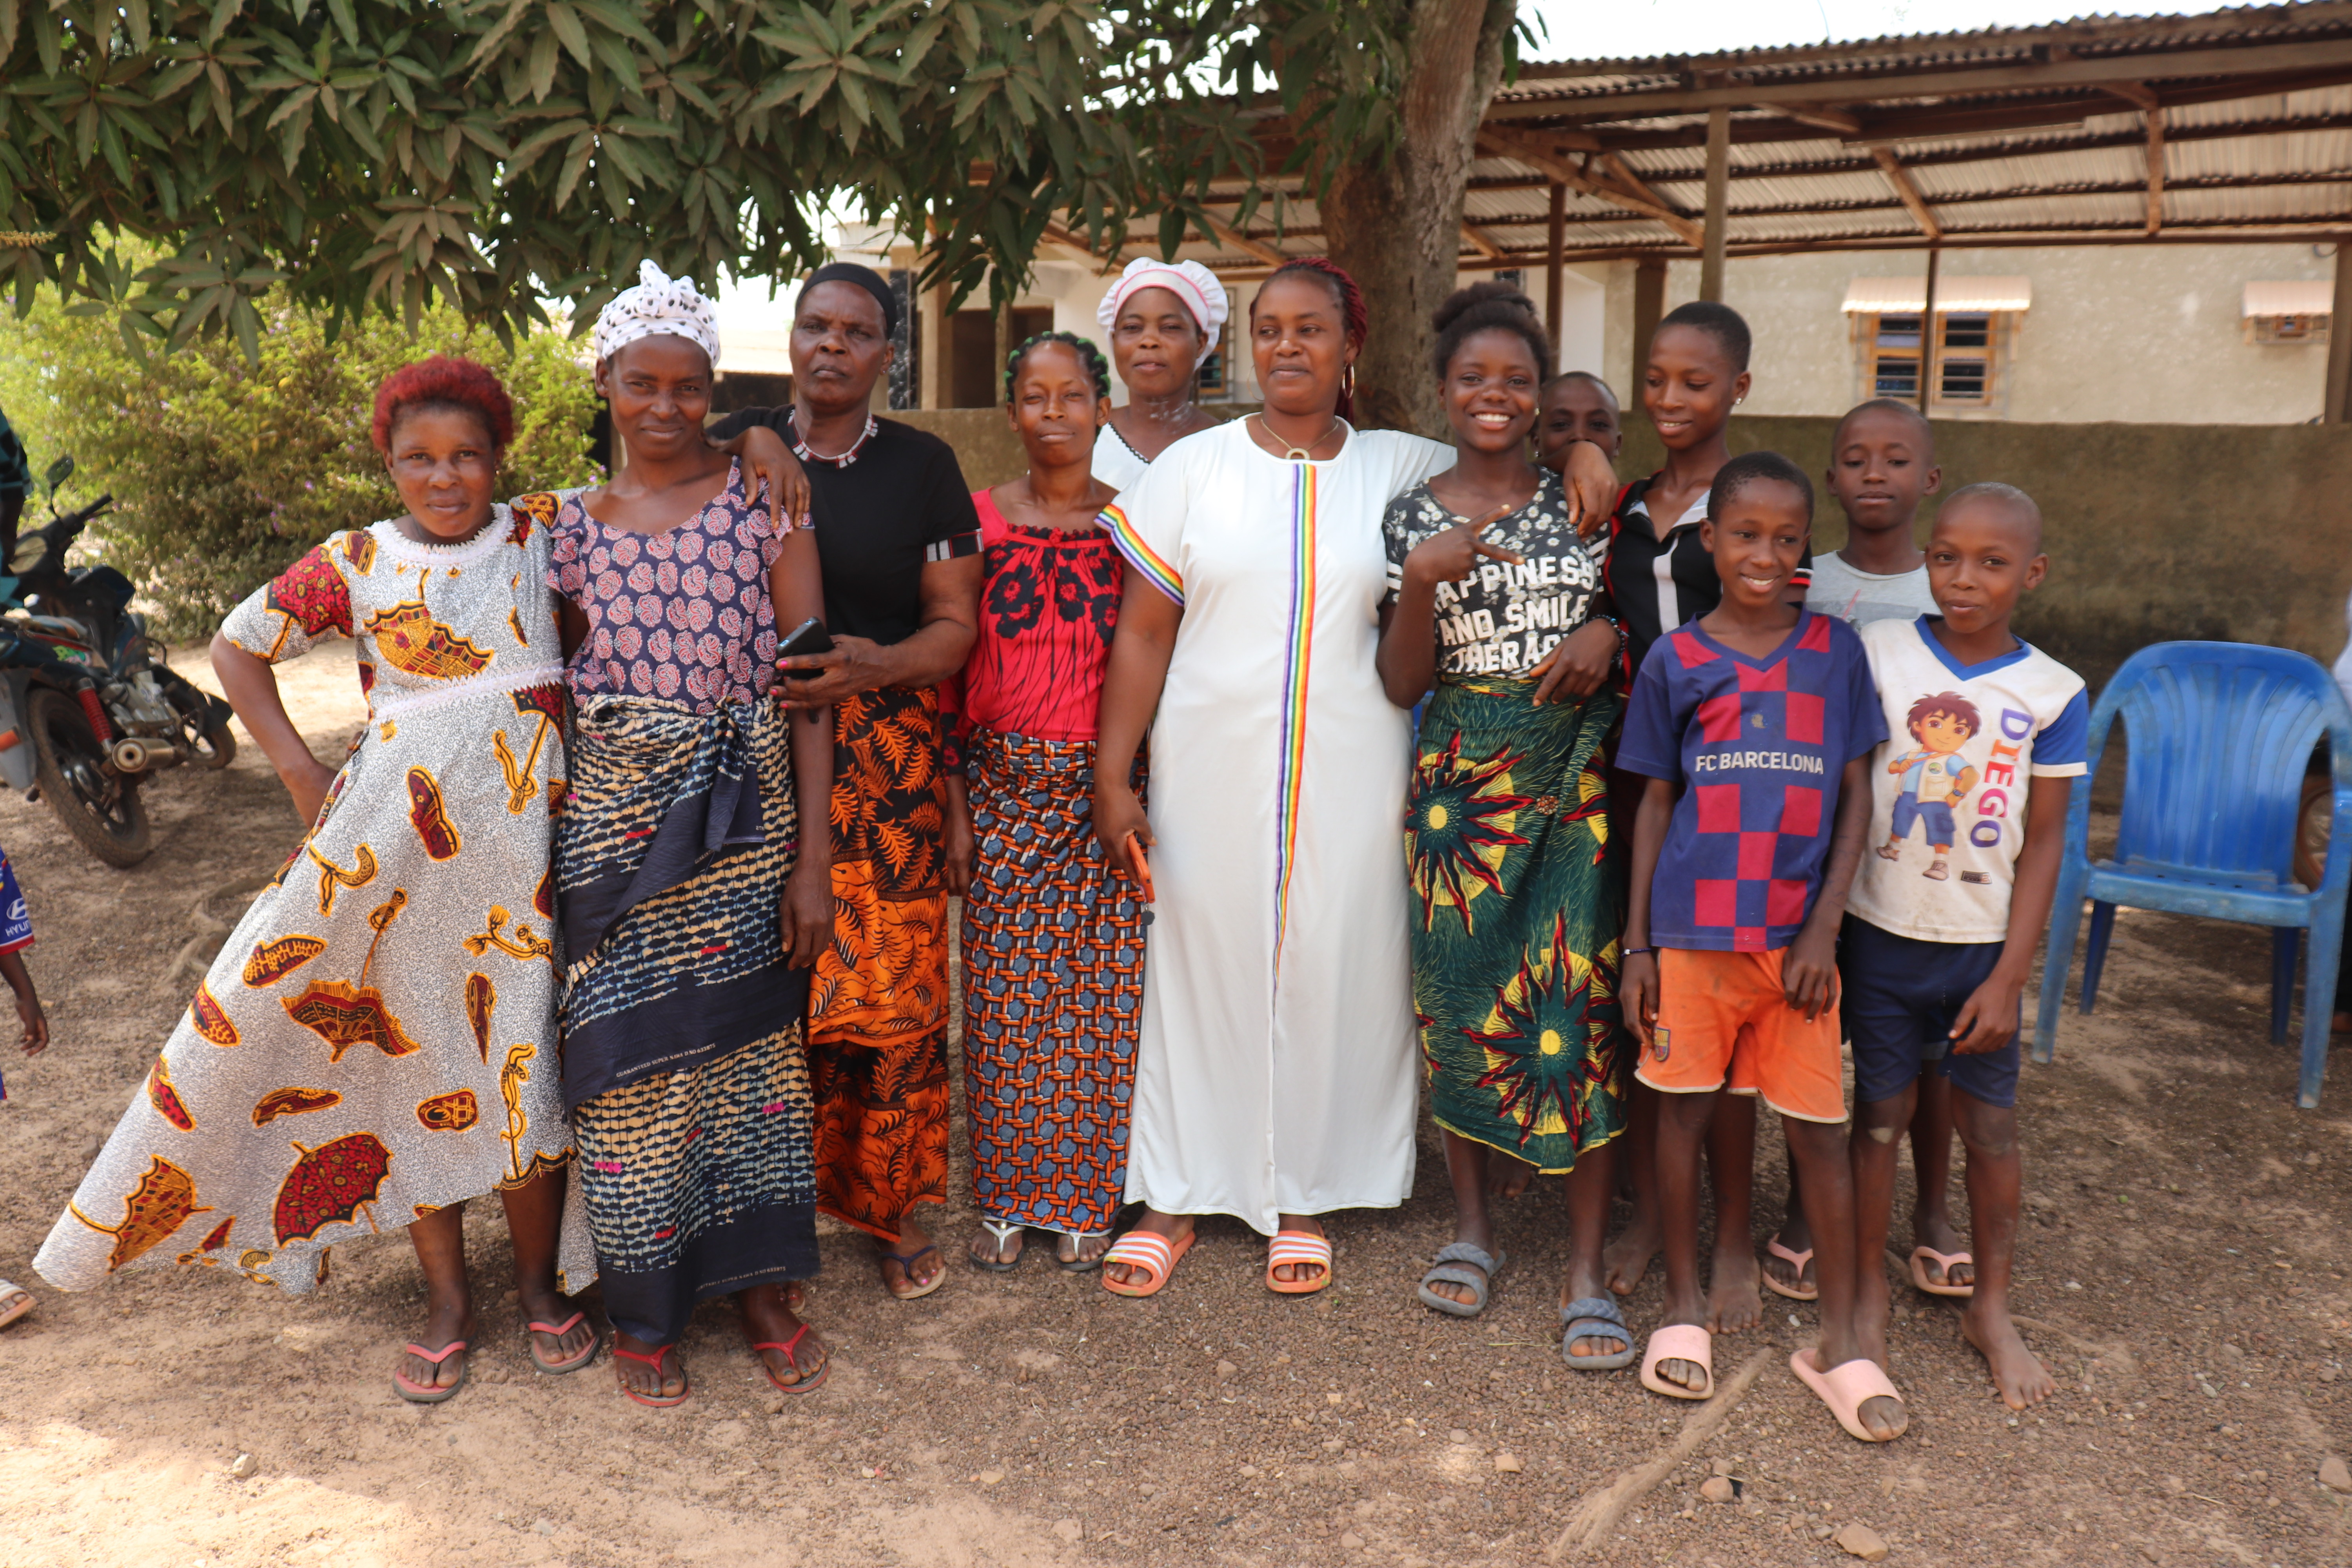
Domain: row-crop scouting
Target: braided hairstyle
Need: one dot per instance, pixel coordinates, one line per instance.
(1487, 306)
(1088, 353)
(1353, 315)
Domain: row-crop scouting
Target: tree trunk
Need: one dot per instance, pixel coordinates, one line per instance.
(1397, 224)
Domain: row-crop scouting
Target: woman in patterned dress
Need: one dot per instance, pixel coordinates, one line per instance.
(376, 1044)
(1053, 934)
(1514, 911)
(692, 908)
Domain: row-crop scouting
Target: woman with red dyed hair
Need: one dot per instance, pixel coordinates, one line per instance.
(376, 1044)
(1275, 1073)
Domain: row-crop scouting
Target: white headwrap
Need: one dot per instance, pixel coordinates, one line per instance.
(1189, 282)
(658, 304)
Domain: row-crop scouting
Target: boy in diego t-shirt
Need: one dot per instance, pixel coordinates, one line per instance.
(1989, 735)
(1751, 726)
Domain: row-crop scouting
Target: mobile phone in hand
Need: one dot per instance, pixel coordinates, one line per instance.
(1140, 862)
(809, 637)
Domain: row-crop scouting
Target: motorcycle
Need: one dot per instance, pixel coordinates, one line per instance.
(87, 706)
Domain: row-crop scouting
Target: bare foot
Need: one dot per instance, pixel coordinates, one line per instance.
(2017, 1372)
(1172, 1227)
(913, 1261)
(1735, 1302)
(447, 1323)
(1936, 1231)
(542, 1305)
(1506, 1176)
(662, 1376)
(1299, 1273)
(767, 1321)
(1628, 1258)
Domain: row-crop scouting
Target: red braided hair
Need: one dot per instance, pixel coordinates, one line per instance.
(1354, 317)
(444, 382)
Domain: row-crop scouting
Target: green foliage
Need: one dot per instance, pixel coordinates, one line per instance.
(489, 154)
(224, 470)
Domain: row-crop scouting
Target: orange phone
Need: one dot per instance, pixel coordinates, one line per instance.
(1141, 863)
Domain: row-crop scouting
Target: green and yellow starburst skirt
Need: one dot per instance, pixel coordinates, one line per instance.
(1517, 908)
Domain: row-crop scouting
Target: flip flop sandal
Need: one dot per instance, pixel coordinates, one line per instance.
(424, 1393)
(557, 1331)
(1149, 1251)
(1796, 1260)
(1000, 1234)
(807, 1383)
(1946, 1261)
(15, 1302)
(1679, 1341)
(1595, 1318)
(1295, 1247)
(1461, 1263)
(1844, 1388)
(1074, 1264)
(906, 1262)
(659, 1401)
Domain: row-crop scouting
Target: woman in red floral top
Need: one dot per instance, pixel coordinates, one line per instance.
(1053, 936)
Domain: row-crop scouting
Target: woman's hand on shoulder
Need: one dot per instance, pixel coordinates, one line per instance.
(767, 459)
(1577, 663)
(1592, 487)
(1451, 555)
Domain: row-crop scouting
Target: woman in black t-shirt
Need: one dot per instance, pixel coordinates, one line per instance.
(899, 542)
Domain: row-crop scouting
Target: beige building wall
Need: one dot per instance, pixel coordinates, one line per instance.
(2139, 334)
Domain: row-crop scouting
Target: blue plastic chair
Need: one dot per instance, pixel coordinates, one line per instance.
(2220, 735)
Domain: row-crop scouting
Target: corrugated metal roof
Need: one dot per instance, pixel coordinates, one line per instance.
(2028, 135)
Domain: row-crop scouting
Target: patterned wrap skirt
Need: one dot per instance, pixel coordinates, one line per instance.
(1053, 988)
(696, 1151)
(878, 1004)
(1517, 914)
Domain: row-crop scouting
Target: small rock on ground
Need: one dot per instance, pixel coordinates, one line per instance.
(1861, 1541)
(243, 1466)
(1718, 1488)
(1508, 1464)
(2334, 1475)
(1349, 1540)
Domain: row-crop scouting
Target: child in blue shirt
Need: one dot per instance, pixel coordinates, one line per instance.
(1751, 725)
(15, 936)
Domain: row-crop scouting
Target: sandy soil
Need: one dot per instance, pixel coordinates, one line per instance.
(2185, 1265)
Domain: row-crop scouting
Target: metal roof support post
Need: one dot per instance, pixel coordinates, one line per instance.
(1927, 334)
(2338, 407)
(1719, 190)
(1556, 242)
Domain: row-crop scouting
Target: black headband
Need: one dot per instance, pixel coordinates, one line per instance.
(865, 277)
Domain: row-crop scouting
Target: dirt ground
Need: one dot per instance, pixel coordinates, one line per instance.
(2183, 1269)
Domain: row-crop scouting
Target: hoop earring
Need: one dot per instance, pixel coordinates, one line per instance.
(1347, 380)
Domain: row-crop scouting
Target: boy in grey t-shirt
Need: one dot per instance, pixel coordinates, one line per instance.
(1881, 466)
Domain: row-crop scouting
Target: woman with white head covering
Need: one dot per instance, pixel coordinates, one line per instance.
(692, 908)
(1165, 319)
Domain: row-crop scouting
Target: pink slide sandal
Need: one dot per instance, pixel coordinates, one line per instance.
(1844, 1388)
(1679, 1341)
(1946, 1261)
(1796, 1260)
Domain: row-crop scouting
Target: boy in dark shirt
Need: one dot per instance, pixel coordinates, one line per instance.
(1751, 725)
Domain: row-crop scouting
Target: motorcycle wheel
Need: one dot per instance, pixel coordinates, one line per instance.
(204, 739)
(215, 747)
(101, 810)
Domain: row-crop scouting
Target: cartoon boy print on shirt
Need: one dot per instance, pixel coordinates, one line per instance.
(1935, 777)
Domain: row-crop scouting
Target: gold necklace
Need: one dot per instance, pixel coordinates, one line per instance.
(1297, 454)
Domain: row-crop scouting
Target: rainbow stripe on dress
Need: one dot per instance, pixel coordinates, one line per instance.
(1297, 658)
(1141, 556)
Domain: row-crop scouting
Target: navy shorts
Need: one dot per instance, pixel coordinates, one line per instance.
(1941, 828)
(1900, 997)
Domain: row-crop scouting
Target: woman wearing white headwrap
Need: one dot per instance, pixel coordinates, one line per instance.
(692, 906)
(1163, 318)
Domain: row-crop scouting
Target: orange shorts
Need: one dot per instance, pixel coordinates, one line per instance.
(1725, 1022)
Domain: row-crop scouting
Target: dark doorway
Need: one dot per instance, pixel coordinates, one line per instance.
(976, 374)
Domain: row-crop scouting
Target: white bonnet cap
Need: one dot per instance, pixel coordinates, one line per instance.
(658, 304)
(1189, 282)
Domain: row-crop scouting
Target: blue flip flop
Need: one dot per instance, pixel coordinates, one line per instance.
(1595, 1317)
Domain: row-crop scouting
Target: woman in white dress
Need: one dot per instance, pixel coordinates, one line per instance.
(1274, 1079)
(1163, 318)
